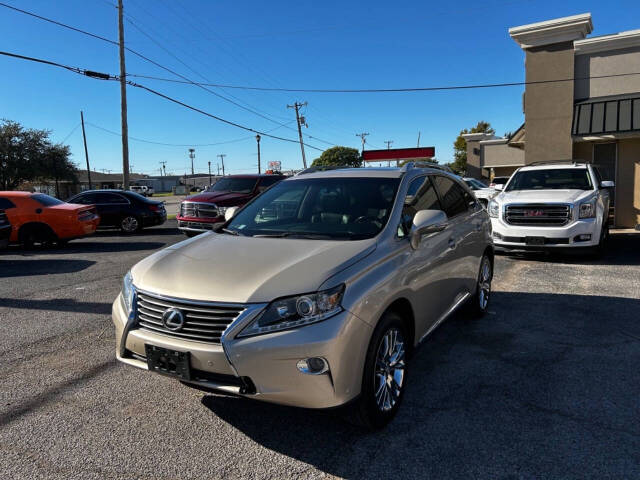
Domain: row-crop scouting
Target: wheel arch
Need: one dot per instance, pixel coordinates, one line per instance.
(37, 225)
(402, 306)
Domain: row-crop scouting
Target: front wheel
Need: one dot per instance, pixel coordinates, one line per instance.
(600, 249)
(384, 375)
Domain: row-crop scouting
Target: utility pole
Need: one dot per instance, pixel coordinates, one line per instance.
(209, 172)
(86, 152)
(221, 156)
(218, 168)
(388, 142)
(300, 121)
(164, 167)
(192, 155)
(258, 140)
(362, 136)
(123, 102)
(418, 146)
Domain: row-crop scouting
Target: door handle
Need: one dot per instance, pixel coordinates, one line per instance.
(452, 243)
(38, 210)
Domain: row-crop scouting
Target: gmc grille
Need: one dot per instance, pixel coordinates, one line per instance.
(538, 215)
(203, 322)
(198, 210)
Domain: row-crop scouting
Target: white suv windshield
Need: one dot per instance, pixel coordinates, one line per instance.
(552, 179)
(320, 208)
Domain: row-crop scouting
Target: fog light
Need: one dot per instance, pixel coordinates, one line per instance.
(313, 365)
(497, 235)
(583, 237)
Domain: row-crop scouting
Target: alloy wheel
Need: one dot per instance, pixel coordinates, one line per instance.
(389, 369)
(484, 283)
(129, 224)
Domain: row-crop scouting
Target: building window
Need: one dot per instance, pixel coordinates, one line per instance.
(611, 117)
(476, 151)
(624, 115)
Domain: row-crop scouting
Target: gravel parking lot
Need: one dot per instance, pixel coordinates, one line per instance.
(545, 386)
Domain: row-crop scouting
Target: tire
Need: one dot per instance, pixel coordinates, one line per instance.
(130, 224)
(385, 375)
(30, 235)
(600, 249)
(479, 302)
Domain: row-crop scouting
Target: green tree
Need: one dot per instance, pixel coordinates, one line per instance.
(459, 164)
(28, 154)
(338, 157)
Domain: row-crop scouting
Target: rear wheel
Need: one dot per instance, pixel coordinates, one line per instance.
(36, 234)
(130, 224)
(479, 303)
(384, 375)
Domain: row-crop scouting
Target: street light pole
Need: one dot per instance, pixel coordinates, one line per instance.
(209, 172)
(258, 140)
(222, 155)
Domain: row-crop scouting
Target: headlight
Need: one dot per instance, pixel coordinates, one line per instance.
(494, 209)
(128, 292)
(292, 312)
(587, 209)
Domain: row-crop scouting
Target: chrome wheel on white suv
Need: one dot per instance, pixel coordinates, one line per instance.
(389, 374)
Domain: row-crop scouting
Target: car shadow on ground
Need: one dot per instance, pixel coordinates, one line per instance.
(21, 268)
(115, 232)
(541, 386)
(84, 246)
(623, 249)
(58, 305)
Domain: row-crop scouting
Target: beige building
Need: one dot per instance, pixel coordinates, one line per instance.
(591, 114)
(594, 113)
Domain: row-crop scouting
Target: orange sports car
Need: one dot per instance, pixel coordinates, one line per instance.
(39, 218)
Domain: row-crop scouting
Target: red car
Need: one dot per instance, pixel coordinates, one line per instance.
(39, 218)
(199, 213)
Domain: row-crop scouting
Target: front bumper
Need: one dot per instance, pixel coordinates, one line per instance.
(571, 235)
(188, 224)
(264, 366)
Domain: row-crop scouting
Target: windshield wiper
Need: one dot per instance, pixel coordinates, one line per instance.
(310, 235)
(230, 232)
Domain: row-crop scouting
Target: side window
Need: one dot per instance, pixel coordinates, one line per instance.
(109, 198)
(86, 199)
(455, 199)
(421, 195)
(5, 203)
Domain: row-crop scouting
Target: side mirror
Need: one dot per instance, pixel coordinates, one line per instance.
(230, 213)
(607, 184)
(498, 186)
(426, 222)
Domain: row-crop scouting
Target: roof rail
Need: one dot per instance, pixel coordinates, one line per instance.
(322, 168)
(554, 162)
(411, 165)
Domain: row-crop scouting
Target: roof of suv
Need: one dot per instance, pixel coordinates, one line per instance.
(366, 172)
(554, 166)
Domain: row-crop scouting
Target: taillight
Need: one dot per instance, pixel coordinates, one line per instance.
(154, 208)
(86, 214)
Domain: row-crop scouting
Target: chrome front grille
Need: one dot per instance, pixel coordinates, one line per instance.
(198, 210)
(203, 321)
(538, 215)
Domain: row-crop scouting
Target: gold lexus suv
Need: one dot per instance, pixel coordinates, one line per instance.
(316, 292)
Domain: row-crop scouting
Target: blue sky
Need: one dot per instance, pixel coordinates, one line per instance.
(304, 44)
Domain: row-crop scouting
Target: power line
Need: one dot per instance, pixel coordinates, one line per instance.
(391, 90)
(104, 76)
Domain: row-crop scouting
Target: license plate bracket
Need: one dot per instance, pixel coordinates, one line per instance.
(535, 241)
(168, 362)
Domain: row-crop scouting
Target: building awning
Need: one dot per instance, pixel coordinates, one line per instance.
(607, 115)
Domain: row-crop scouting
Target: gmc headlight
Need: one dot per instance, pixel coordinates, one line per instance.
(296, 311)
(128, 292)
(587, 209)
(494, 209)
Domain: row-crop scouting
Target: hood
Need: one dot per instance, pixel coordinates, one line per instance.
(221, 198)
(226, 268)
(543, 196)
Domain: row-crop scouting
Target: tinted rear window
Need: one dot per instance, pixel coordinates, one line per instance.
(46, 200)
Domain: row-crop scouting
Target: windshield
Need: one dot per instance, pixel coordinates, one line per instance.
(552, 179)
(46, 200)
(237, 185)
(320, 208)
(474, 184)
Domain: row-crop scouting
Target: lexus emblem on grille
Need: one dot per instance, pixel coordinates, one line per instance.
(173, 319)
(534, 213)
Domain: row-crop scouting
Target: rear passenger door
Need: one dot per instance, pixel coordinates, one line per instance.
(464, 238)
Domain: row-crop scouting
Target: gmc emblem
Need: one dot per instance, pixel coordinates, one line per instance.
(533, 213)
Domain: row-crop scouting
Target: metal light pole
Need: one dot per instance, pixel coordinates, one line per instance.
(258, 140)
(209, 172)
(192, 155)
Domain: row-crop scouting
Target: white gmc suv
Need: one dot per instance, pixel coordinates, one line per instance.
(552, 206)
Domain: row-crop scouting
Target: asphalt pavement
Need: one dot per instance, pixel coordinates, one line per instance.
(547, 385)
